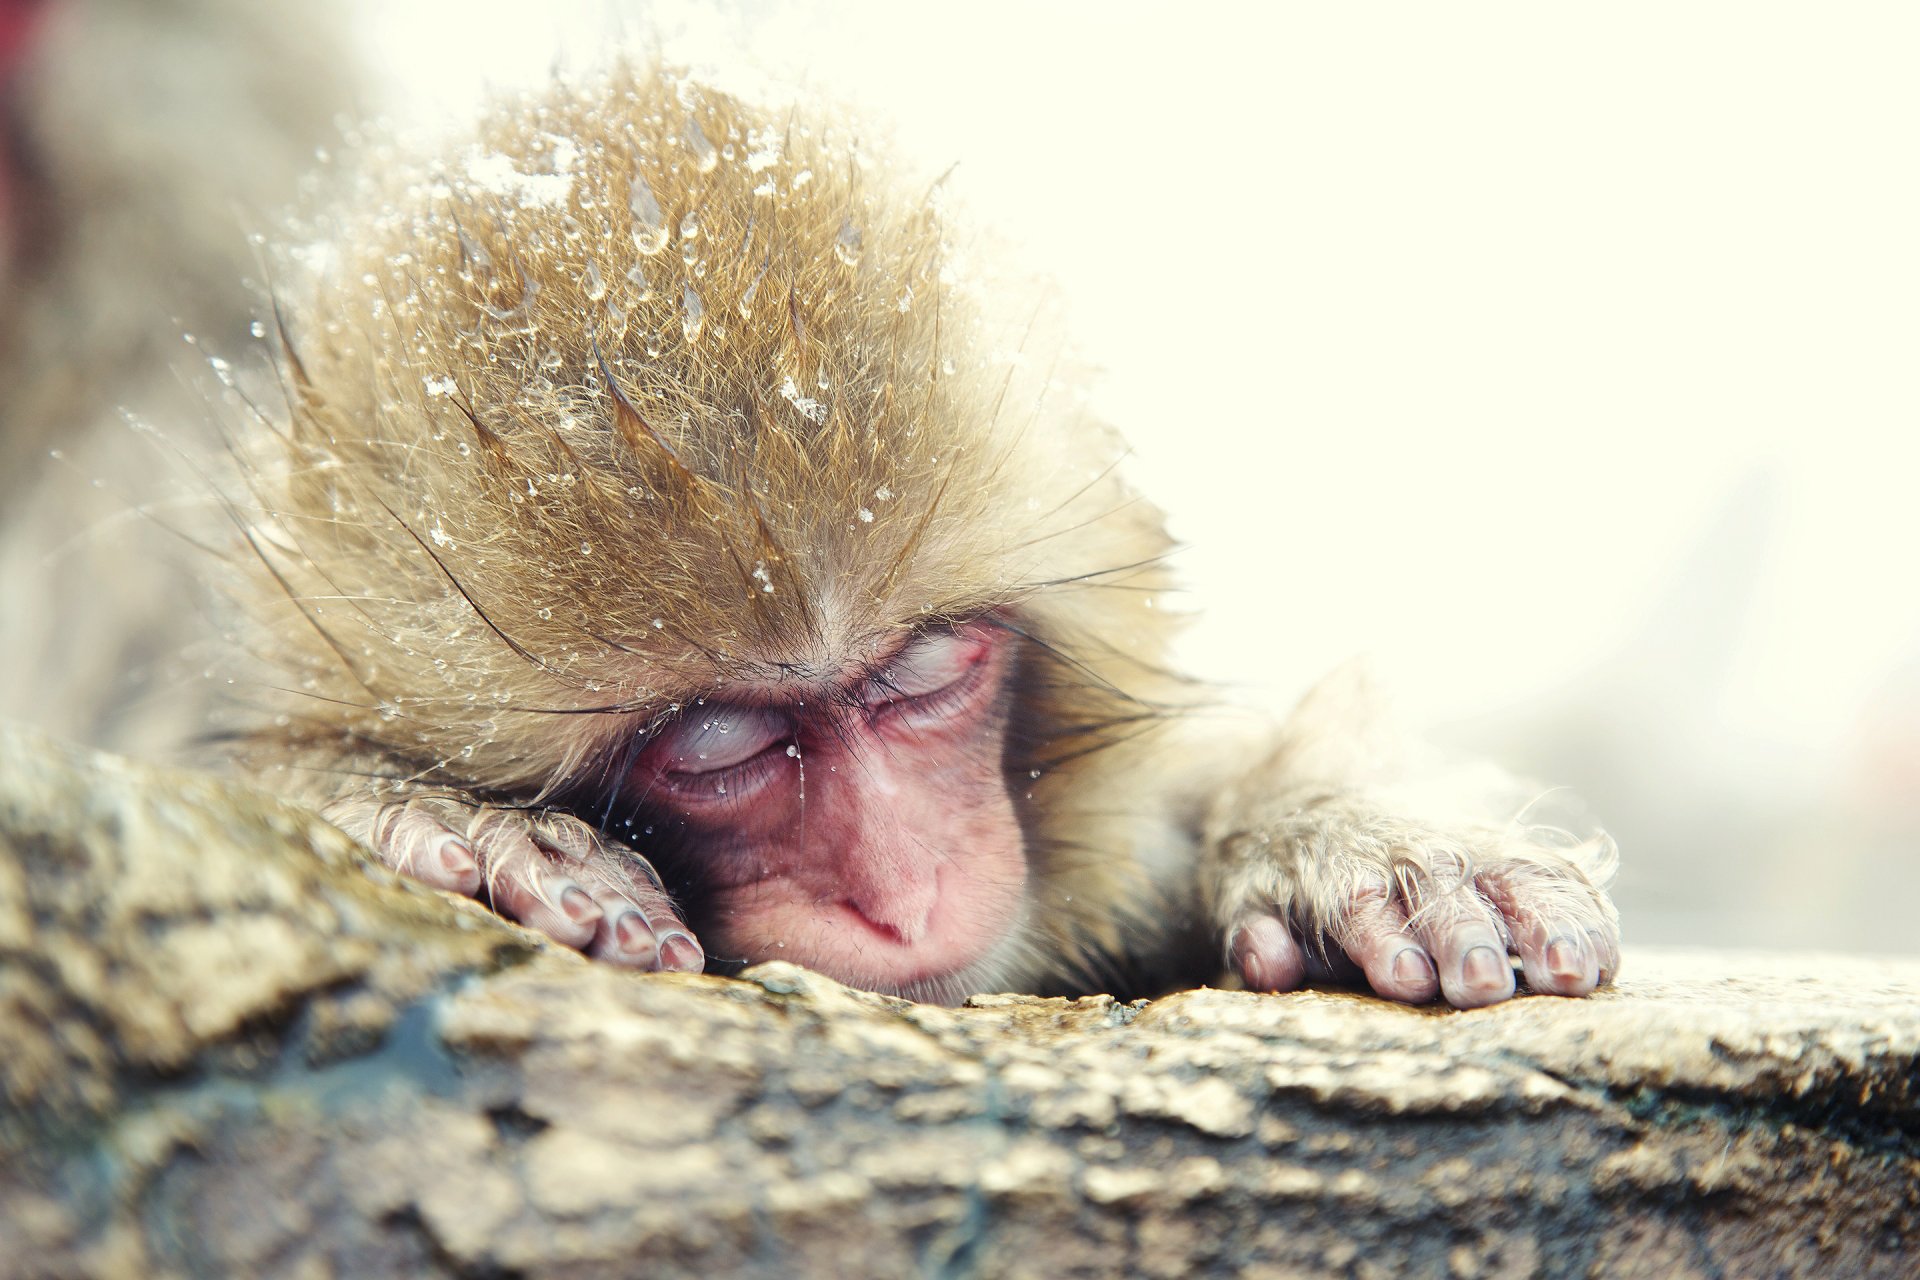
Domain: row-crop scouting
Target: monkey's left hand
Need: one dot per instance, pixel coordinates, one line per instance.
(1312, 865)
(1421, 910)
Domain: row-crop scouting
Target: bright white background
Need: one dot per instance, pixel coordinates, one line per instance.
(1562, 359)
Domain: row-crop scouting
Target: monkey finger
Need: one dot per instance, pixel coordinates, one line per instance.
(523, 884)
(1266, 955)
(1374, 936)
(631, 936)
(639, 927)
(524, 889)
(1606, 943)
(1559, 928)
(410, 838)
(417, 844)
(1462, 934)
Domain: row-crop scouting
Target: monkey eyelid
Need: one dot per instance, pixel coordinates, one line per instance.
(933, 662)
(717, 738)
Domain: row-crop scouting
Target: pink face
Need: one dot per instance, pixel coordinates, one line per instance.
(864, 830)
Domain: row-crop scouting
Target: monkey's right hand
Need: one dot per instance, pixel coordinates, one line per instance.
(548, 871)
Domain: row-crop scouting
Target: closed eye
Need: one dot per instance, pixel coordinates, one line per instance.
(730, 783)
(710, 740)
(935, 677)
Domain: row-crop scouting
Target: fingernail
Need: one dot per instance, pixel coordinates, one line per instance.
(680, 953)
(573, 900)
(1412, 966)
(1484, 966)
(456, 857)
(631, 933)
(1248, 961)
(1564, 959)
(1266, 956)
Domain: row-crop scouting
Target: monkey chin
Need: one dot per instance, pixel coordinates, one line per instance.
(963, 940)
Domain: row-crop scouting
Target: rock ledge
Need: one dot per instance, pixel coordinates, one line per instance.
(236, 1047)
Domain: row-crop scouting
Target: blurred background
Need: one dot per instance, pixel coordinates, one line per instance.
(1562, 360)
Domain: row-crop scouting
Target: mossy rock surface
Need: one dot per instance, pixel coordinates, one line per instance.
(234, 1046)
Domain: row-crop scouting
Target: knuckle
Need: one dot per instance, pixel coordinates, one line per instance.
(568, 836)
(1368, 896)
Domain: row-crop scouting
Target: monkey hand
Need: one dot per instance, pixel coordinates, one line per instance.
(1321, 882)
(548, 871)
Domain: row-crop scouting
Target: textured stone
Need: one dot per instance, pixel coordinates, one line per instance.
(235, 1046)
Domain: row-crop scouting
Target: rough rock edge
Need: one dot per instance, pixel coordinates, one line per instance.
(236, 1046)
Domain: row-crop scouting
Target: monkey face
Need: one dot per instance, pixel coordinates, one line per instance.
(860, 826)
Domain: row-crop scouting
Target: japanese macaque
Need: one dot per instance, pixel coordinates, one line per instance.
(670, 542)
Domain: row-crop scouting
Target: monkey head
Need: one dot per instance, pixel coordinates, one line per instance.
(656, 460)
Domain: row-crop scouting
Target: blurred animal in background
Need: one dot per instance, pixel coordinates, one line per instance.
(139, 144)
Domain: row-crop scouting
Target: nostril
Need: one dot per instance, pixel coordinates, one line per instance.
(901, 920)
(890, 930)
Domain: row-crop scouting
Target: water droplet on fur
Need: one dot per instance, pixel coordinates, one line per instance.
(866, 516)
(586, 548)
(594, 286)
(692, 313)
(649, 226)
(474, 255)
(846, 245)
(690, 226)
(637, 277)
(745, 305)
(658, 623)
(793, 751)
(257, 329)
(704, 156)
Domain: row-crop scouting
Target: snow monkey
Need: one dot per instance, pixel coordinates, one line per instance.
(674, 541)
